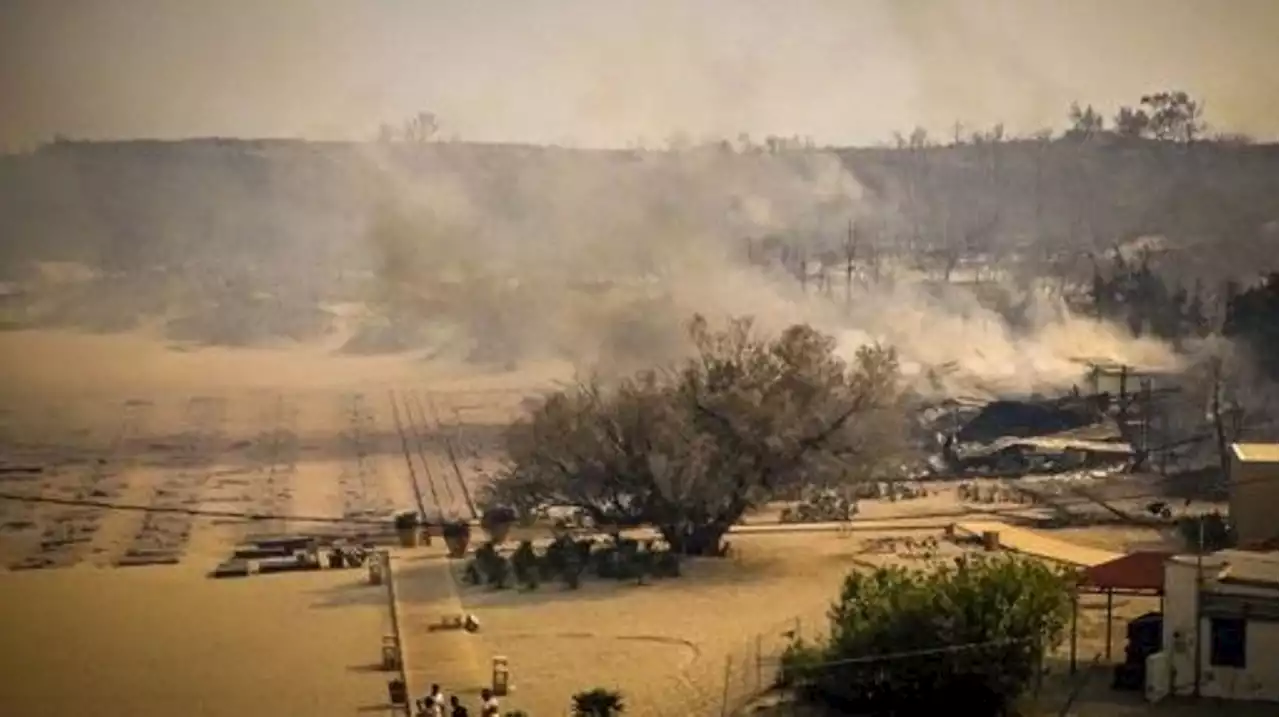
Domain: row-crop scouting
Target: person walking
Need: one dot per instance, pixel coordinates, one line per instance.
(433, 704)
(488, 704)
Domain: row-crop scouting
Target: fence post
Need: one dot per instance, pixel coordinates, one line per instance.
(759, 662)
(724, 700)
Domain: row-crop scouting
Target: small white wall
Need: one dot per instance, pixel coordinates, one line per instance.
(1179, 626)
(1258, 680)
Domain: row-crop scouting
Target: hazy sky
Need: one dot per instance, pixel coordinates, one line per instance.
(605, 72)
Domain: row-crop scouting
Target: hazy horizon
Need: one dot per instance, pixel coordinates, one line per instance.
(610, 73)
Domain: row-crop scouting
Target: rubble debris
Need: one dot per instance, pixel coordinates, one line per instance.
(1026, 419)
(823, 506)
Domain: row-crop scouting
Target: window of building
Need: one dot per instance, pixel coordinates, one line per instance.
(1227, 641)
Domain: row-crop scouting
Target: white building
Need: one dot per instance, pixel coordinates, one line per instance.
(1232, 653)
(1254, 492)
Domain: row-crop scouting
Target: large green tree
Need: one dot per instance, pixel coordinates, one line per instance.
(924, 641)
(691, 447)
(1252, 318)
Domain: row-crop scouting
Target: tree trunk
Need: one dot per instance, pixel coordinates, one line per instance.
(697, 540)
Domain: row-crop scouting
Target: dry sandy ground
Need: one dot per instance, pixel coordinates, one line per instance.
(166, 641)
(300, 432)
(122, 419)
(664, 644)
(674, 647)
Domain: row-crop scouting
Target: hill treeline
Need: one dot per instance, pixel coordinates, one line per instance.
(129, 205)
(270, 229)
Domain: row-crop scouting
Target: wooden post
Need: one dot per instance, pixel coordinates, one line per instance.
(1075, 611)
(850, 249)
(1110, 603)
(759, 662)
(724, 699)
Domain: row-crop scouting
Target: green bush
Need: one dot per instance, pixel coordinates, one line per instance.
(598, 702)
(525, 561)
(666, 564)
(1218, 534)
(499, 572)
(571, 570)
(472, 575)
(491, 566)
(908, 642)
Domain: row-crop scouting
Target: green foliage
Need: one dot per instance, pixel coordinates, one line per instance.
(666, 564)
(571, 571)
(1172, 116)
(916, 642)
(598, 702)
(566, 560)
(499, 572)
(1251, 317)
(525, 562)
(691, 448)
(1132, 294)
(491, 566)
(1218, 533)
(1086, 122)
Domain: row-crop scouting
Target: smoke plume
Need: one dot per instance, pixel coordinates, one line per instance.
(598, 259)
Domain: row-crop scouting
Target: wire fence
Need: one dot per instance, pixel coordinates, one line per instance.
(752, 669)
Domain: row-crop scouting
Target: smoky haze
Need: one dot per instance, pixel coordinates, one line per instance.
(599, 260)
(604, 73)
(502, 254)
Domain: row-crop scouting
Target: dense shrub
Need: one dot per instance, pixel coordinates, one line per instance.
(924, 641)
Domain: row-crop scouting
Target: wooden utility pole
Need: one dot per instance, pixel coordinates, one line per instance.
(802, 270)
(850, 254)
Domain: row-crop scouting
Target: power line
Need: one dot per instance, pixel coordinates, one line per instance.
(201, 512)
(198, 512)
(923, 652)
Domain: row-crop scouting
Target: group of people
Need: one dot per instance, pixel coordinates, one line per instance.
(433, 705)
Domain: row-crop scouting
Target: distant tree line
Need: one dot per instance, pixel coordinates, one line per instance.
(1251, 318)
(1132, 294)
(418, 129)
(1163, 116)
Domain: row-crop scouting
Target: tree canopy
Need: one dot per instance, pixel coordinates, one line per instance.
(1252, 318)
(689, 448)
(920, 641)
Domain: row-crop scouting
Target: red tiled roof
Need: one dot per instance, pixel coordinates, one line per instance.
(1135, 571)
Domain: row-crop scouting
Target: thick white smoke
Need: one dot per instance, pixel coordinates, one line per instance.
(510, 254)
